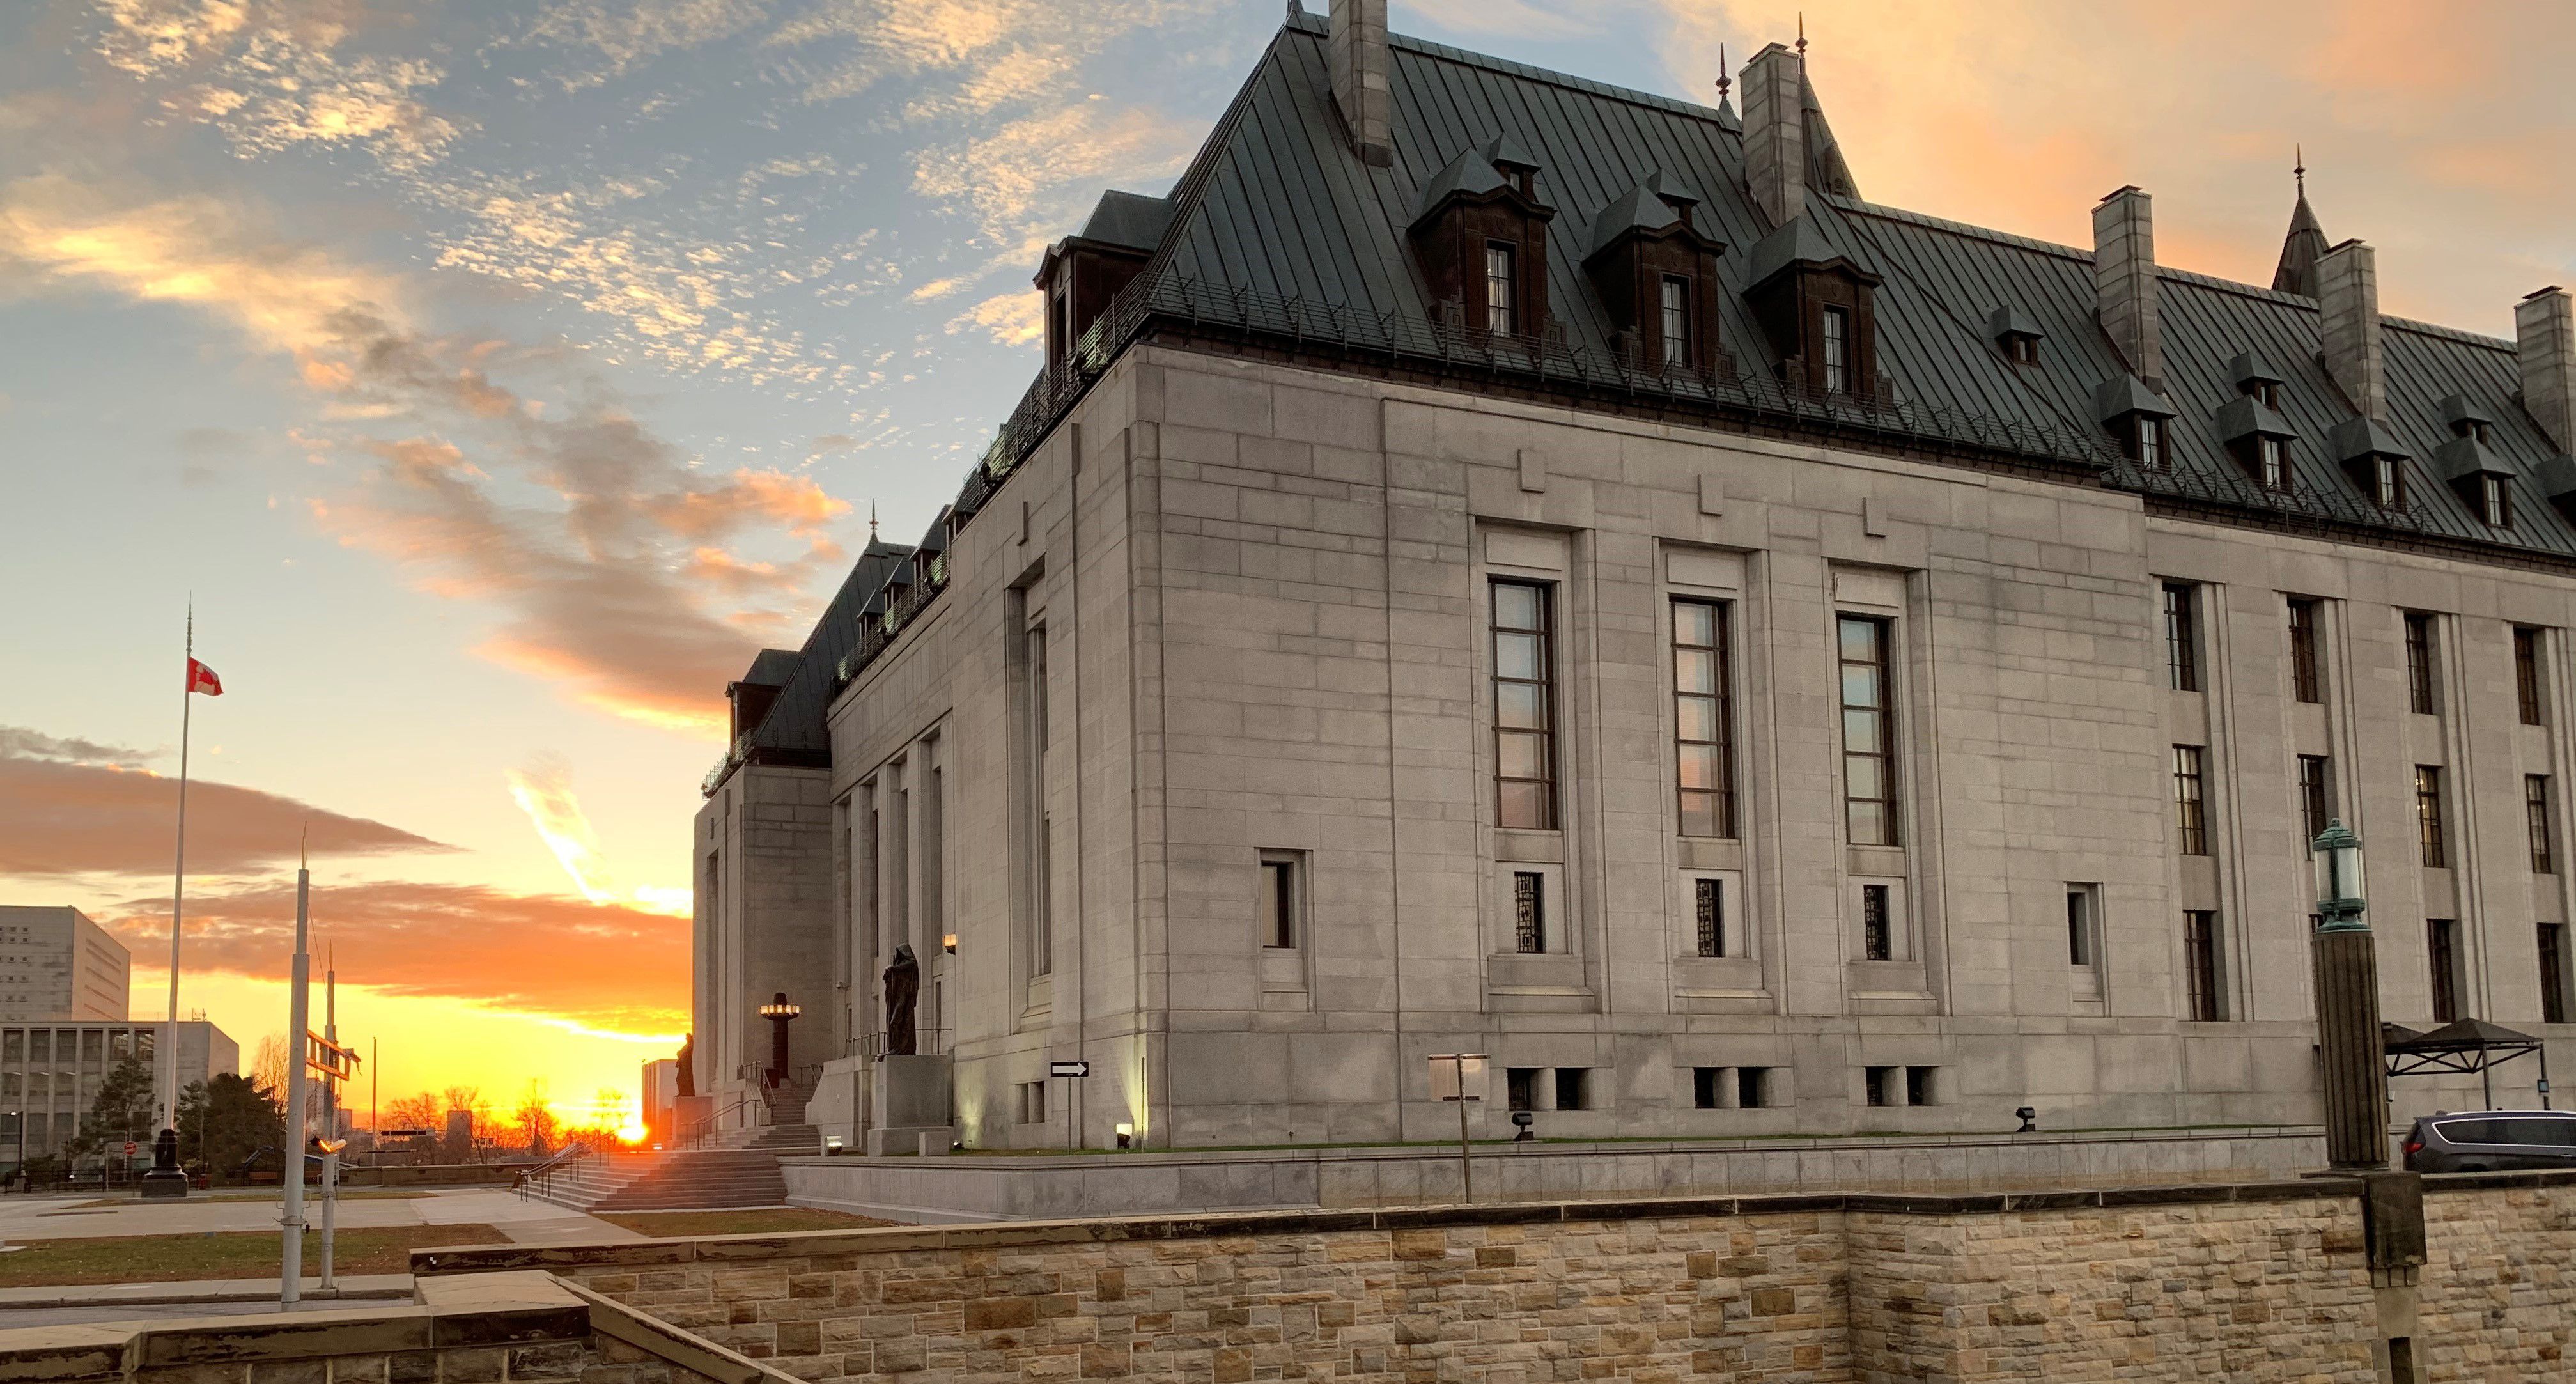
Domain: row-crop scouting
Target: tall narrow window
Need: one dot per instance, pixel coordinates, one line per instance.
(2495, 503)
(2553, 973)
(1042, 826)
(1869, 733)
(2419, 663)
(2428, 816)
(1703, 718)
(1502, 285)
(2316, 795)
(1837, 334)
(2275, 464)
(1524, 708)
(2388, 484)
(2535, 819)
(1676, 305)
(1877, 930)
(2307, 667)
(2200, 965)
(2079, 927)
(2148, 442)
(2442, 954)
(1529, 911)
(2526, 674)
(1708, 910)
(1278, 902)
(2191, 822)
(2182, 637)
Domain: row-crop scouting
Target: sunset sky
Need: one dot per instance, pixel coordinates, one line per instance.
(499, 374)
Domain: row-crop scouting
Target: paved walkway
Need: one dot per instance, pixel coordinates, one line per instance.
(522, 1221)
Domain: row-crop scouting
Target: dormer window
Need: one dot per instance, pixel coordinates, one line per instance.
(2147, 441)
(1502, 285)
(2387, 483)
(2136, 415)
(2267, 393)
(2015, 333)
(1676, 317)
(2495, 503)
(1836, 339)
(2022, 350)
(2272, 464)
(1084, 272)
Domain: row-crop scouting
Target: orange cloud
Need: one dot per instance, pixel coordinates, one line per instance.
(605, 966)
(69, 808)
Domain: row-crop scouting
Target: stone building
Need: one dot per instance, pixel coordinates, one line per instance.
(1497, 563)
(50, 1074)
(57, 964)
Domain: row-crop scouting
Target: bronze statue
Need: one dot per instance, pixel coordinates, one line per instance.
(688, 1082)
(902, 997)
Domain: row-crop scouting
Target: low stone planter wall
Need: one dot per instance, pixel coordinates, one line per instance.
(2263, 1280)
(977, 1188)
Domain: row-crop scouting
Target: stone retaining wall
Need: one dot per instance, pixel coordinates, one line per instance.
(2257, 1281)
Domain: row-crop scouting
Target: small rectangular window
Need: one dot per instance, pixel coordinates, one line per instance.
(1708, 915)
(2316, 795)
(1703, 716)
(2419, 663)
(2190, 810)
(1520, 1087)
(2079, 926)
(1869, 732)
(1573, 1087)
(1877, 930)
(1524, 707)
(1529, 911)
(1919, 1087)
(2553, 973)
(2495, 503)
(2182, 637)
(1752, 1087)
(2442, 948)
(2307, 667)
(1676, 320)
(2200, 966)
(2147, 441)
(2428, 817)
(1706, 1083)
(1837, 334)
(2527, 645)
(1033, 1102)
(1882, 1085)
(1278, 902)
(2535, 821)
(1502, 286)
(2275, 465)
(2388, 483)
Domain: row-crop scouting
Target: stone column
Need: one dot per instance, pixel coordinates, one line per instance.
(2355, 1068)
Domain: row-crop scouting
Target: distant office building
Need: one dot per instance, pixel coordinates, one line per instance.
(57, 964)
(661, 1094)
(50, 1072)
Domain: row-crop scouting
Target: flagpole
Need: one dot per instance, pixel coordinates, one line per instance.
(178, 889)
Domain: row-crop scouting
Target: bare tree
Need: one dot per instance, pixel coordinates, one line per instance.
(534, 1121)
(268, 1066)
(419, 1111)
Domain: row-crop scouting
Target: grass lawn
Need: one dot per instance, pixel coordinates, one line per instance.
(681, 1225)
(222, 1254)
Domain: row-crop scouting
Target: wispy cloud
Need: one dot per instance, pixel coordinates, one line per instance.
(543, 790)
(74, 807)
(576, 521)
(604, 966)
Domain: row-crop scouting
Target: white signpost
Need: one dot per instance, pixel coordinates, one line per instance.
(1069, 1071)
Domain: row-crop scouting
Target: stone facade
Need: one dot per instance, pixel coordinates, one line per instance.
(50, 1073)
(2260, 1281)
(57, 964)
(1265, 599)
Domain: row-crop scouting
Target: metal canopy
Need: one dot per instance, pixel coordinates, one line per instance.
(2462, 1047)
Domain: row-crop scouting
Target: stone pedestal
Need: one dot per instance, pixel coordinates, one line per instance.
(161, 1182)
(911, 1101)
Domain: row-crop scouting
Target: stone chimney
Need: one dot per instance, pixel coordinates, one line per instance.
(1775, 135)
(1363, 78)
(2348, 313)
(2544, 341)
(2124, 281)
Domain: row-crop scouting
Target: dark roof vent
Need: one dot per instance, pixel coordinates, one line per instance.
(2004, 322)
(2464, 418)
(2247, 369)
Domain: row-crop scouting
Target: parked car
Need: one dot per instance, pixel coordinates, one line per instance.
(2485, 1141)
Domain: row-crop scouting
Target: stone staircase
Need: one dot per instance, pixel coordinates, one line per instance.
(740, 1170)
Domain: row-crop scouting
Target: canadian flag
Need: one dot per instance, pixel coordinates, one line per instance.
(202, 679)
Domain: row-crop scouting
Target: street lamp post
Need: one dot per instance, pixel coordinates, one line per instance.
(780, 1014)
(2347, 984)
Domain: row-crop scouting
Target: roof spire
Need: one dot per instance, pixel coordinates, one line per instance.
(872, 521)
(1723, 81)
(1802, 36)
(2306, 242)
(2299, 168)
